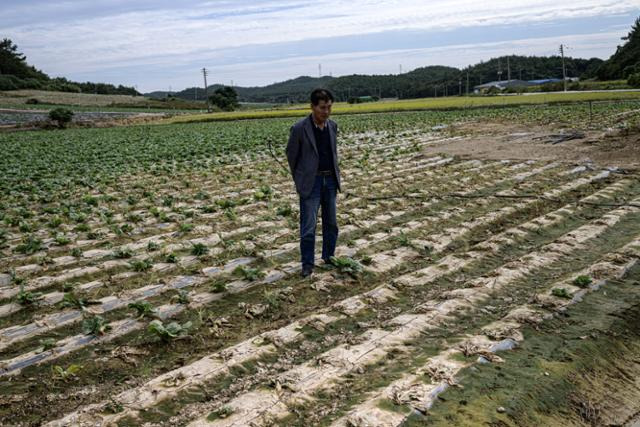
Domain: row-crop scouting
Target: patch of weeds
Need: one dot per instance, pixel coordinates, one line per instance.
(226, 203)
(82, 228)
(113, 407)
(199, 249)
(231, 214)
(55, 222)
(185, 227)
(134, 218)
(96, 325)
(218, 287)
(171, 258)
(201, 195)
(46, 344)
(76, 252)
(284, 210)
(403, 240)
(167, 201)
(347, 265)
(29, 245)
(94, 235)
(73, 301)
(182, 297)
(15, 279)
(248, 273)
(67, 286)
(141, 265)
(27, 298)
(44, 260)
(25, 227)
(223, 412)
(582, 281)
(560, 293)
(90, 200)
(153, 246)
(272, 299)
(263, 193)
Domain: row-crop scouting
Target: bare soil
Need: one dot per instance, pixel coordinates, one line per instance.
(498, 141)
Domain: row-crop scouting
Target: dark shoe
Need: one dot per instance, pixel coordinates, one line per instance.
(328, 261)
(307, 270)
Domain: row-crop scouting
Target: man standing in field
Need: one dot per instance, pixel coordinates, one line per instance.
(313, 161)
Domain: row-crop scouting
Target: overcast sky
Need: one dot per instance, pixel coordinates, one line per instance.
(162, 44)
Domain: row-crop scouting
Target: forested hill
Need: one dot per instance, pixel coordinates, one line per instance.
(421, 82)
(626, 60)
(16, 73)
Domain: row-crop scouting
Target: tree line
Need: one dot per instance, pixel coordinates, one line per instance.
(16, 73)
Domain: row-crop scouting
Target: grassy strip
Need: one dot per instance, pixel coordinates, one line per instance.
(577, 369)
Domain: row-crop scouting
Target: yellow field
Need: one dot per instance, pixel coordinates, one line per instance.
(414, 105)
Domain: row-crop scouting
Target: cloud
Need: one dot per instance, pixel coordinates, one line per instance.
(76, 37)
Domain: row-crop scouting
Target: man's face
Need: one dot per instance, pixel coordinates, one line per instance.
(322, 111)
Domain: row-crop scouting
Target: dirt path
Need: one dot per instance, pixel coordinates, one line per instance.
(495, 140)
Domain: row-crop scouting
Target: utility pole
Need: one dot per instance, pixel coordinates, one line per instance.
(564, 70)
(400, 68)
(319, 70)
(460, 86)
(508, 69)
(468, 80)
(499, 70)
(206, 92)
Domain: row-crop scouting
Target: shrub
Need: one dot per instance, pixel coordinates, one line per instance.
(61, 115)
(634, 80)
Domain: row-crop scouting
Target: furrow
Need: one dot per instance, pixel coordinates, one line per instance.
(412, 391)
(349, 306)
(11, 335)
(298, 384)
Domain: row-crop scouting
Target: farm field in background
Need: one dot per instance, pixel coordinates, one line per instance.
(444, 103)
(18, 99)
(149, 274)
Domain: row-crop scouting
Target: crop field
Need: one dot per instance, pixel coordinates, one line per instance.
(149, 275)
(444, 103)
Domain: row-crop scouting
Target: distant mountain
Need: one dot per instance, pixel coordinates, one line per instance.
(436, 80)
(626, 60)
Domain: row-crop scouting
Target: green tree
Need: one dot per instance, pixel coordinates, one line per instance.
(14, 63)
(61, 115)
(626, 60)
(225, 98)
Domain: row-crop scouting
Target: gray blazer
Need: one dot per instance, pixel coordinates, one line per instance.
(302, 154)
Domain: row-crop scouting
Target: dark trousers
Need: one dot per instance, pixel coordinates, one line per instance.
(323, 195)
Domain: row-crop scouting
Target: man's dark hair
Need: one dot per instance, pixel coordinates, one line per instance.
(321, 95)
